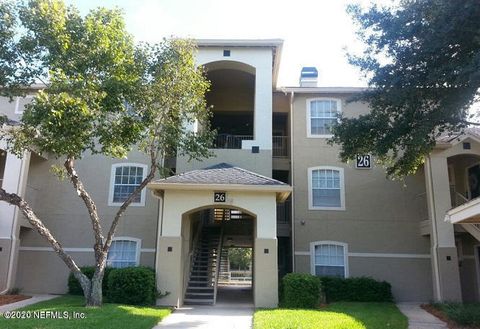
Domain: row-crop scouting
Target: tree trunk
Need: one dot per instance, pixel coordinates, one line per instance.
(95, 297)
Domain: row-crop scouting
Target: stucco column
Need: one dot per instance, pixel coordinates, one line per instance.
(265, 263)
(446, 277)
(14, 181)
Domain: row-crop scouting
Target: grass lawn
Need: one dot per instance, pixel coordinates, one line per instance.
(334, 316)
(109, 316)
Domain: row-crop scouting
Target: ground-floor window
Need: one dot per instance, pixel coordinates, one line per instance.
(124, 252)
(329, 258)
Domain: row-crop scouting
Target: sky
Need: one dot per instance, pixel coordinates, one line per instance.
(315, 33)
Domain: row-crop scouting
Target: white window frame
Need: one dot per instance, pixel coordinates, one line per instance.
(17, 104)
(136, 240)
(342, 188)
(309, 118)
(336, 243)
(112, 184)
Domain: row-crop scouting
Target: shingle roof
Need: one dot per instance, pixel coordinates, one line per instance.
(452, 137)
(223, 174)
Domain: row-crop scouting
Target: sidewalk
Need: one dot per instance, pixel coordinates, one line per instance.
(35, 299)
(234, 310)
(418, 318)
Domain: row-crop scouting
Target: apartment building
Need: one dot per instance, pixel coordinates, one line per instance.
(274, 185)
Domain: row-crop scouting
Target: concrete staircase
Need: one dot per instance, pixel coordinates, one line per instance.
(202, 284)
(223, 273)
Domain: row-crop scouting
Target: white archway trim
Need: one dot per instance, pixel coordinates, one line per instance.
(328, 242)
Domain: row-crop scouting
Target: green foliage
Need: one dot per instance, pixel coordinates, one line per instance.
(101, 93)
(462, 314)
(240, 258)
(300, 291)
(74, 287)
(132, 285)
(361, 289)
(422, 62)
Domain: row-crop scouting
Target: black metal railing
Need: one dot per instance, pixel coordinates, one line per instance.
(280, 146)
(284, 212)
(227, 141)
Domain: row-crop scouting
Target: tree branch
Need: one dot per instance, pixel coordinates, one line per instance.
(89, 203)
(471, 123)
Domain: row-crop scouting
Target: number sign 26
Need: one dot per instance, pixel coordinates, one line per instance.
(219, 196)
(363, 161)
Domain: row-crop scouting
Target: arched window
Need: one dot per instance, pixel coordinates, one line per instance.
(326, 188)
(322, 113)
(125, 178)
(329, 258)
(124, 252)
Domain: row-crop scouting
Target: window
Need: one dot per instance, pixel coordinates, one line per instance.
(329, 258)
(124, 252)
(321, 115)
(125, 178)
(326, 188)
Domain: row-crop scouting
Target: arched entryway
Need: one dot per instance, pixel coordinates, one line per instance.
(219, 244)
(198, 199)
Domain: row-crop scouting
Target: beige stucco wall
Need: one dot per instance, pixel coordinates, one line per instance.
(64, 213)
(260, 163)
(381, 216)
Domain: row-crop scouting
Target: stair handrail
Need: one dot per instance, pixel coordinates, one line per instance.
(195, 244)
(217, 268)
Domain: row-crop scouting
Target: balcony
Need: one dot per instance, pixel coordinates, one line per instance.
(280, 144)
(228, 141)
(284, 215)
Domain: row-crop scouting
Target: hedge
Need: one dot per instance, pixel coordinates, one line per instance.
(74, 287)
(300, 291)
(361, 289)
(132, 285)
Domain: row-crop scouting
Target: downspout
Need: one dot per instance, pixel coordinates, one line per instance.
(292, 219)
(434, 229)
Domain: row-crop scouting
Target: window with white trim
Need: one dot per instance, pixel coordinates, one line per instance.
(329, 258)
(125, 178)
(326, 188)
(322, 114)
(124, 252)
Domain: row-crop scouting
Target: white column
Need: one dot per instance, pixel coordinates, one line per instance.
(14, 181)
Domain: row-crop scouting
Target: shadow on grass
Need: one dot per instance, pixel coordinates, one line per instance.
(334, 316)
(109, 316)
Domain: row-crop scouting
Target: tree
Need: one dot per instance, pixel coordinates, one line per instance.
(240, 258)
(103, 95)
(422, 62)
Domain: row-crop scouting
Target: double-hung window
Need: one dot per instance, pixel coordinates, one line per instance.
(326, 188)
(124, 252)
(125, 178)
(322, 114)
(329, 258)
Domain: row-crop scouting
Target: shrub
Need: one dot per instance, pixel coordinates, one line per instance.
(300, 291)
(462, 314)
(74, 287)
(132, 285)
(362, 289)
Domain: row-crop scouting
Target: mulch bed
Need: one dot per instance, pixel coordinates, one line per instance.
(439, 314)
(8, 299)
